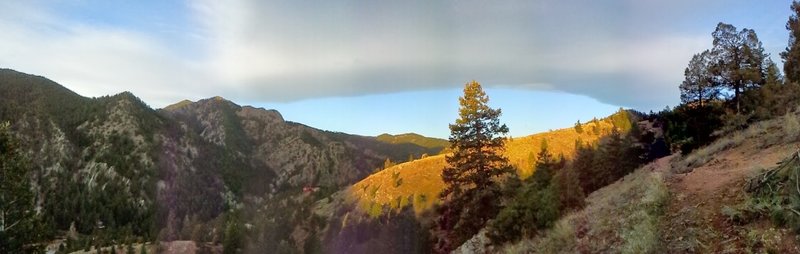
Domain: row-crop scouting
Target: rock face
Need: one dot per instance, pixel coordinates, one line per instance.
(176, 172)
(297, 155)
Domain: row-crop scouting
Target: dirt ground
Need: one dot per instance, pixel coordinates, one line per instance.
(694, 222)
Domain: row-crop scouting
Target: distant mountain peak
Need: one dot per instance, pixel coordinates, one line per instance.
(125, 95)
(179, 105)
(413, 138)
(218, 99)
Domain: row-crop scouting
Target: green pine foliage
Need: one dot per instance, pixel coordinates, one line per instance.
(471, 175)
(232, 242)
(729, 86)
(536, 206)
(570, 194)
(791, 57)
(559, 186)
(579, 127)
(20, 225)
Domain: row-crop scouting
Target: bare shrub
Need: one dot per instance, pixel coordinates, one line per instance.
(790, 127)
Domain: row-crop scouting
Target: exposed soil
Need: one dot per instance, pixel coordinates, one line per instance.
(694, 222)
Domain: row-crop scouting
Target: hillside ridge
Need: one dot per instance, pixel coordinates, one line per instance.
(417, 183)
(185, 166)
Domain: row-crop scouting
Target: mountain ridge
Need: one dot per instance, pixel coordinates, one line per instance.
(158, 166)
(414, 138)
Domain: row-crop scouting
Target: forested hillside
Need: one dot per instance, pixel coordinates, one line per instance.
(113, 170)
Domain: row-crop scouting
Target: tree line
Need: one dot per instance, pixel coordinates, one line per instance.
(733, 84)
(482, 190)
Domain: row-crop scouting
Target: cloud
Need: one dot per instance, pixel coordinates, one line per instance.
(96, 61)
(618, 52)
(288, 51)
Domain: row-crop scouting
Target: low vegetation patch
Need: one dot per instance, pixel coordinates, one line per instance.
(416, 183)
(620, 218)
(775, 193)
(782, 130)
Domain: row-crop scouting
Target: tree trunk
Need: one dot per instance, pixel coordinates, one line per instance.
(736, 96)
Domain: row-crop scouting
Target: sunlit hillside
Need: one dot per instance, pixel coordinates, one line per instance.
(419, 183)
(413, 138)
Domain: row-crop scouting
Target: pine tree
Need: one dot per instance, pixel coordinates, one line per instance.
(584, 165)
(612, 154)
(739, 60)
(571, 195)
(535, 206)
(791, 57)
(544, 167)
(772, 73)
(698, 85)
(469, 198)
(20, 226)
(578, 127)
(232, 241)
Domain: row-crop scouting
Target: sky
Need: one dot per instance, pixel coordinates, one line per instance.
(372, 67)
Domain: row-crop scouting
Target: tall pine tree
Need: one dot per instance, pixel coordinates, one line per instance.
(469, 198)
(20, 227)
(739, 59)
(791, 57)
(697, 86)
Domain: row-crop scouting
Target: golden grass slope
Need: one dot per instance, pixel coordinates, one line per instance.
(419, 182)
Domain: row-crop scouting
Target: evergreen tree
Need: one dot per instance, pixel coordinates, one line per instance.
(545, 165)
(469, 198)
(739, 60)
(697, 85)
(578, 127)
(772, 73)
(775, 95)
(611, 153)
(583, 165)
(791, 57)
(570, 193)
(535, 206)
(20, 227)
(232, 242)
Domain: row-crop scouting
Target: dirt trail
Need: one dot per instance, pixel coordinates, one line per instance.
(694, 222)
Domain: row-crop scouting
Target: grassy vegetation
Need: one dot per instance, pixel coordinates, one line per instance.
(420, 183)
(620, 218)
(781, 130)
(179, 105)
(421, 179)
(774, 193)
(521, 152)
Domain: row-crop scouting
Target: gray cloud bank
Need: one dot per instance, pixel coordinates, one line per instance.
(629, 53)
